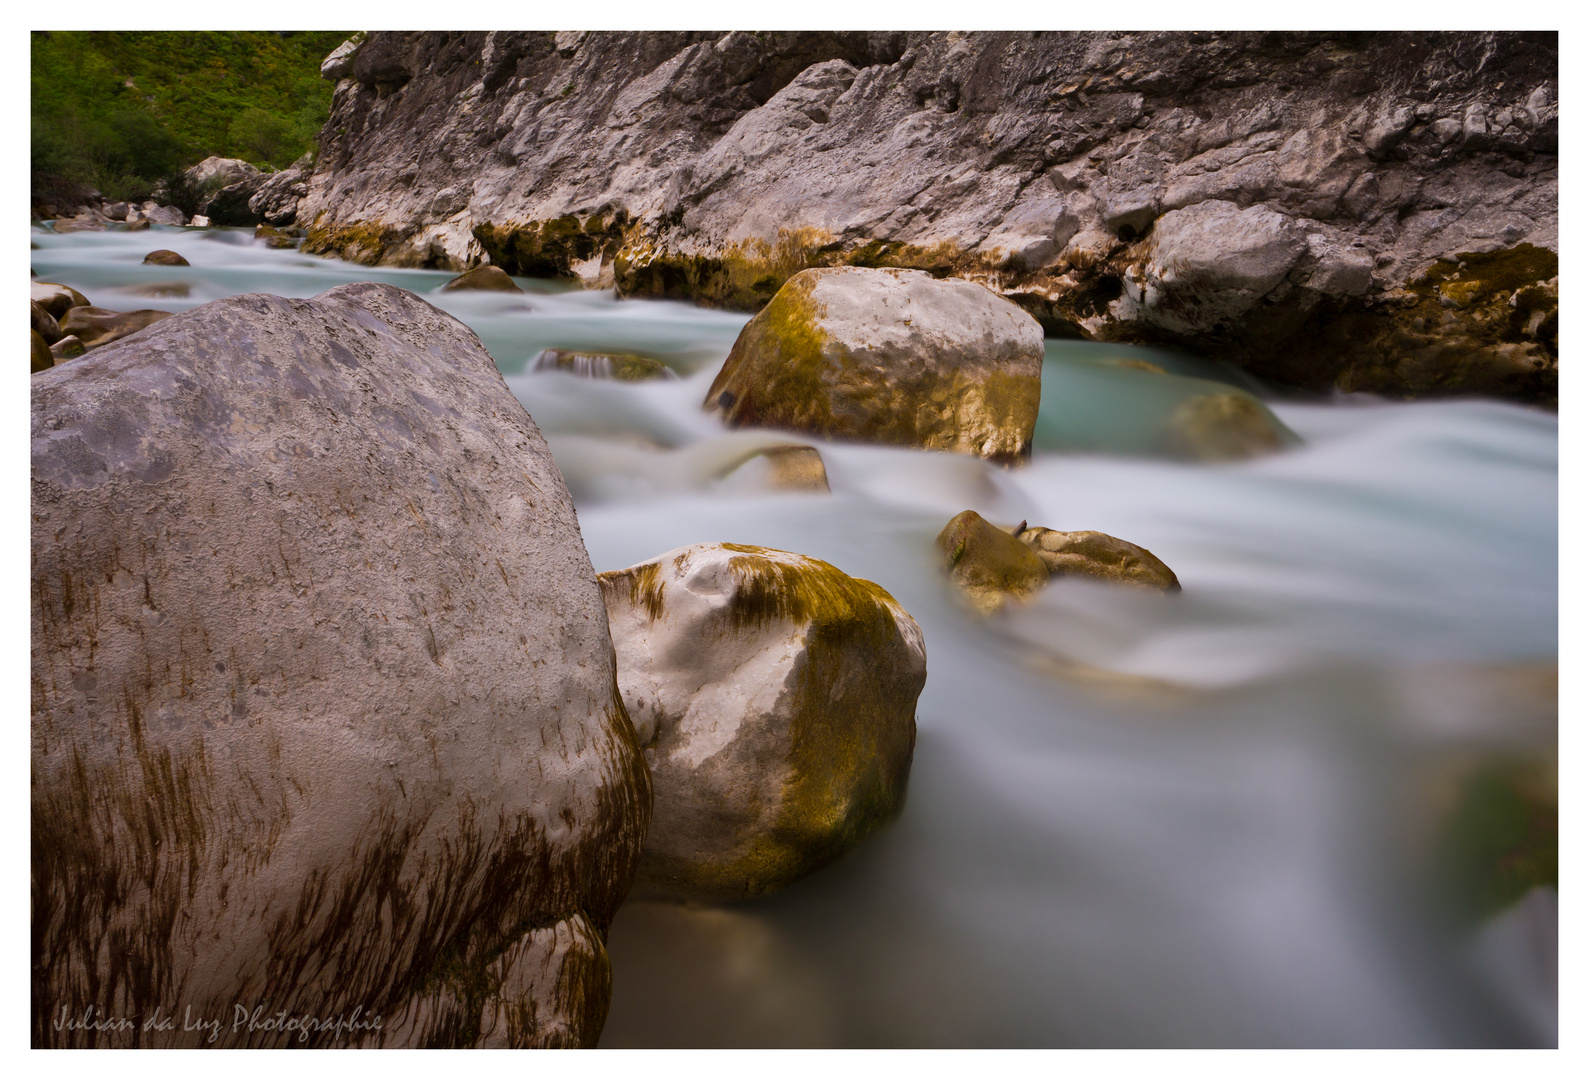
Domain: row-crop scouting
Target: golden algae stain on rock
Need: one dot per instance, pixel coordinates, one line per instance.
(1098, 555)
(776, 697)
(887, 356)
(988, 565)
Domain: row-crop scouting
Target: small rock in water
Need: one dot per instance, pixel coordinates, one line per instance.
(486, 278)
(625, 367)
(1134, 364)
(1098, 555)
(164, 257)
(100, 326)
(69, 347)
(987, 564)
(57, 299)
(1221, 427)
(888, 356)
(199, 221)
(41, 359)
(137, 224)
(775, 699)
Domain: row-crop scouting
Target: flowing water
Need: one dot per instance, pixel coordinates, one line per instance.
(1218, 818)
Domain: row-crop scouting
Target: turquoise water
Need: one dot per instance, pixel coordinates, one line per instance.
(1133, 820)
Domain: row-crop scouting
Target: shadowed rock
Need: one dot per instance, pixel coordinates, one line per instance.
(57, 299)
(988, 565)
(100, 326)
(324, 712)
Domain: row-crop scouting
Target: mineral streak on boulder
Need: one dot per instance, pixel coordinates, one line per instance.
(487, 278)
(1097, 555)
(625, 367)
(988, 565)
(164, 257)
(716, 166)
(888, 356)
(324, 711)
(96, 326)
(775, 697)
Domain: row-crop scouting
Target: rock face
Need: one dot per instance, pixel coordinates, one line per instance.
(276, 199)
(1064, 169)
(888, 356)
(775, 697)
(324, 714)
(100, 326)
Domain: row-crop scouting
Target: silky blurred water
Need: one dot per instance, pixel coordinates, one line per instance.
(1133, 820)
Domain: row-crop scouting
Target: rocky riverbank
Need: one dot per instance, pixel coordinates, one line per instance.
(1367, 211)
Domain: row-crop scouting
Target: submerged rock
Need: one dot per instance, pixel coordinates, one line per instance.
(273, 237)
(164, 257)
(775, 697)
(888, 356)
(485, 278)
(625, 367)
(324, 710)
(988, 565)
(1222, 427)
(100, 326)
(1098, 555)
(782, 468)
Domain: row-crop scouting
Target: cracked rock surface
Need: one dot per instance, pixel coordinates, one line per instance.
(1088, 176)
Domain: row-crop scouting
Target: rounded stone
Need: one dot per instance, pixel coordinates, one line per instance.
(484, 278)
(888, 356)
(164, 257)
(775, 698)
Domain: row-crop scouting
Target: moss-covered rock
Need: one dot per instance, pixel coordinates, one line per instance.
(273, 237)
(99, 326)
(987, 564)
(483, 279)
(625, 367)
(888, 356)
(69, 347)
(1098, 555)
(775, 698)
(164, 257)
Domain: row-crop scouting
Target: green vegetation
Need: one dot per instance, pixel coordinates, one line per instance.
(122, 111)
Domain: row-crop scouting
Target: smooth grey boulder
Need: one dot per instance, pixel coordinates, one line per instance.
(324, 715)
(775, 697)
(166, 215)
(1208, 264)
(888, 356)
(219, 172)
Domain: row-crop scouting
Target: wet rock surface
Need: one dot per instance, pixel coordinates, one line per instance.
(989, 566)
(775, 697)
(1100, 556)
(324, 714)
(888, 356)
(716, 166)
(95, 326)
(625, 367)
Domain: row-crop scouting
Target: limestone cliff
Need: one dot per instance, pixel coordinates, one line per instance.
(1371, 211)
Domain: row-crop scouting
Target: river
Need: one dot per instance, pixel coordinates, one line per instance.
(1212, 819)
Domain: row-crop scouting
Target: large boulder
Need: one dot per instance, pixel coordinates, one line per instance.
(324, 711)
(775, 697)
(96, 326)
(166, 215)
(888, 356)
(218, 172)
(231, 204)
